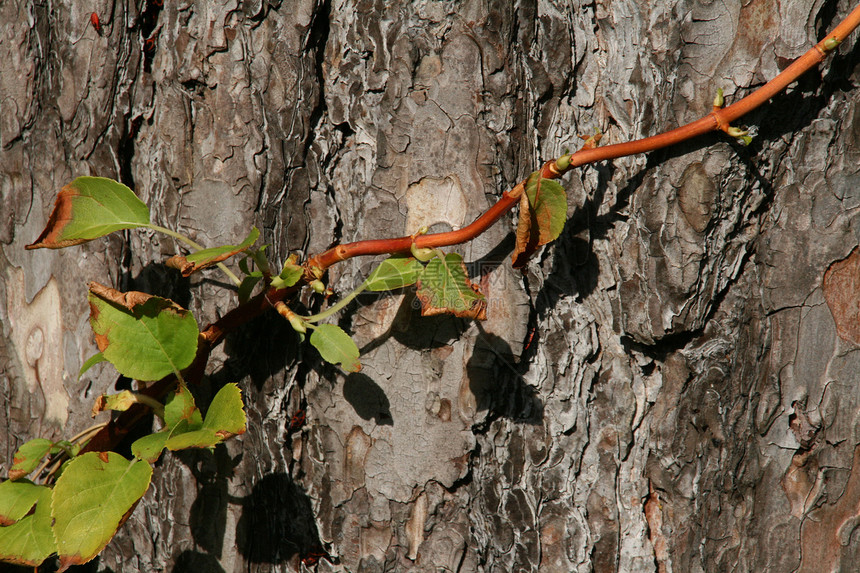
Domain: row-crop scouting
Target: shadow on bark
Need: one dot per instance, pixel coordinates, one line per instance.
(277, 522)
(159, 280)
(496, 381)
(368, 399)
(262, 348)
(208, 514)
(194, 562)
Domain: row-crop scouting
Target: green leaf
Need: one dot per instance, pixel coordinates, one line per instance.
(207, 257)
(17, 498)
(202, 438)
(259, 258)
(336, 347)
(445, 288)
(149, 447)
(93, 497)
(66, 446)
(395, 272)
(543, 212)
(29, 541)
(28, 457)
(226, 416)
(145, 337)
(247, 286)
(290, 274)
(91, 361)
(180, 406)
(120, 402)
(88, 208)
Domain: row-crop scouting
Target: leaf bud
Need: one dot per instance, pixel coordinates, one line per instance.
(831, 43)
(422, 254)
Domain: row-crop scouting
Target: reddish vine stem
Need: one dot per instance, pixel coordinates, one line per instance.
(719, 119)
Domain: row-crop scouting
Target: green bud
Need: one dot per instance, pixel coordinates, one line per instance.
(318, 286)
(563, 162)
(719, 101)
(737, 132)
(831, 44)
(422, 254)
(298, 324)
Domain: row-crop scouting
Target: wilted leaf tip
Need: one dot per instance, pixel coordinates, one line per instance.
(60, 217)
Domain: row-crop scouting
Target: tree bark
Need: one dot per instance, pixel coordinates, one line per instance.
(670, 386)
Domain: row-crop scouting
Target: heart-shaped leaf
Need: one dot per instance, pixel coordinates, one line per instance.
(91, 499)
(543, 212)
(88, 208)
(445, 288)
(145, 337)
(29, 540)
(395, 272)
(336, 347)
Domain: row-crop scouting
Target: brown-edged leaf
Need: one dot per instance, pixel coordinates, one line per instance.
(145, 337)
(543, 211)
(28, 540)
(88, 208)
(444, 288)
(91, 499)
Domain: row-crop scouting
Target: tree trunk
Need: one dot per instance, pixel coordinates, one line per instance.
(670, 386)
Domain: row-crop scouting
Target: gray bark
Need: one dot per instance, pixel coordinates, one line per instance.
(664, 388)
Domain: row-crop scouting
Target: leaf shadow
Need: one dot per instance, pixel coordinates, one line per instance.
(196, 562)
(277, 523)
(496, 380)
(367, 398)
(157, 279)
(208, 514)
(260, 349)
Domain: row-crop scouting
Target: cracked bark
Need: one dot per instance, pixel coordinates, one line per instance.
(664, 389)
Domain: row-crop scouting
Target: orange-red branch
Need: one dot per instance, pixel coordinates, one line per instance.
(109, 436)
(716, 120)
(722, 118)
(404, 244)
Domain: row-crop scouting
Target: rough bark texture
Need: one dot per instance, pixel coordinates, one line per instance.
(665, 389)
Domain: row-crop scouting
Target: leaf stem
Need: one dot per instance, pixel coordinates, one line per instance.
(337, 306)
(156, 406)
(196, 246)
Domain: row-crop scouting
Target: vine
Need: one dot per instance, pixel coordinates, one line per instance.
(81, 492)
